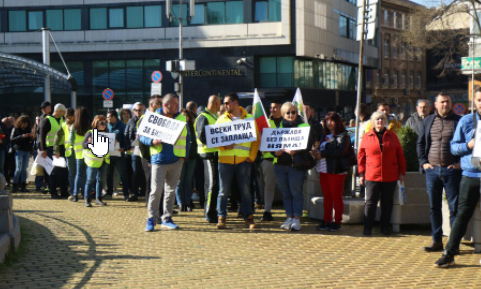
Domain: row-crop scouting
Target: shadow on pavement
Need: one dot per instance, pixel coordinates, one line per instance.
(56, 260)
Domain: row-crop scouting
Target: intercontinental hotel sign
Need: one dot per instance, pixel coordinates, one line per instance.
(214, 72)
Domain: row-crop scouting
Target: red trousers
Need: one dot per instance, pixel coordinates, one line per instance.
(332, 188)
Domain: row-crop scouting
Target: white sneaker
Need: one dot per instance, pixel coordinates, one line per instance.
(287, 224)
(115, 193)
(296, 225)
(104, 193)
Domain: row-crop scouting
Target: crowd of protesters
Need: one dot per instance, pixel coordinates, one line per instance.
(166, 174)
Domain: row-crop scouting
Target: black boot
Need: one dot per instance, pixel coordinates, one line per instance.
(436, 246)
(54, 195)
(15, 188)
(23, 188)
(87, 202)
(99, 202)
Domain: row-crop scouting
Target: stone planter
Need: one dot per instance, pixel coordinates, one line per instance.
(473, 232)
(9, 225)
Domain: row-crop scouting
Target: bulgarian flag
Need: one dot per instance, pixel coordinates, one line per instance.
(259, 113)
(297, 101)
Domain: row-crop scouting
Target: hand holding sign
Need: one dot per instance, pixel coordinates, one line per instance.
(100, 145)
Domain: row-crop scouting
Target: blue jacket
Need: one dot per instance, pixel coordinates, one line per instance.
(462, 135)
(166, 157)
(118, 129)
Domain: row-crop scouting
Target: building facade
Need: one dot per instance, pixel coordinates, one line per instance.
(273, 45)
(401, 78)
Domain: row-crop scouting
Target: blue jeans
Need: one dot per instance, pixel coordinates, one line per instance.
(72, 171)
(21, 160)
(242, 172)
(94, 180)
(183, 191)
(80, 176)
(119, 163)
(290, 183)
(437, 179)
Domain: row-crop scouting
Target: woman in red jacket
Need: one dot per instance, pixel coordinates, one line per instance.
(381, 164)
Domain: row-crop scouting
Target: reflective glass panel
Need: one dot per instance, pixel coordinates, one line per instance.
(17, 21)
(260, 11)
(274, 10)
(199, 17)
(153, 16)
(35, 20)
(98, 18)
(116, 18)
(54, 19)
(72, 19)
(176, 13)
(135, 17)
(216, 13)
(234, 12)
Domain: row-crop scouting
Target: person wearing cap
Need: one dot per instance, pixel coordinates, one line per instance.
(46, 109)
(49, 127)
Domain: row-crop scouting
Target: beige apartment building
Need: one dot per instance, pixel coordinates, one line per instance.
(401, 78)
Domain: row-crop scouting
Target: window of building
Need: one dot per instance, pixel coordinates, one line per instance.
(411, 52)
(234, 11)
(352, 29)
(343, 26)
(199, 17)
(135, 17)
(418, 54)
(411, 79)
(394, 79)
(72, 19)
(403, 21)
(116, 18)
(35, 20)
(54, 19)
(394, 20)
(17, 21)
(419, 80)
(67, 19)
(386, 79)
(386, 18)
(267, 11)
(386, 48)
(276, 71)
(98, 18)
(403, 80)
(369, 78)
(268, 69)
(403, 50)
(176, 14)
(216, 13)
(378, 79)
(153, 16)
(352, 1)
(394, 50)
(285, 71)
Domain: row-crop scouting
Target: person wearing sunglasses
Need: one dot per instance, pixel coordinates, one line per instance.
(289, 179)
(96, 167)
(381, 164)
(235, 161)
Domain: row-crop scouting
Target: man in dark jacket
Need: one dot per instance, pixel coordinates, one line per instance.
(132, 144)
(46, 109)
(4, 140)
(316, 127)
(440, 165)
(423, 107)
(118, 128)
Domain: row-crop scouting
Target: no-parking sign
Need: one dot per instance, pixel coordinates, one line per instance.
(108, 94)
(459, 108)
(156, 77)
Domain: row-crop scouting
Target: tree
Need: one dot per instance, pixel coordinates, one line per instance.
(444, 31)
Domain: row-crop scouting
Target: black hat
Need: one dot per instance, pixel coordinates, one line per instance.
(45, 104)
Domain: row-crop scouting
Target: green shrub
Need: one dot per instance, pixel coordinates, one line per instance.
(408, 139)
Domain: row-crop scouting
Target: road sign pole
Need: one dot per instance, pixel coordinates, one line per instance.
(359, 93)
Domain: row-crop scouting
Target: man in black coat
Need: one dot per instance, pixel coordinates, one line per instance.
(132, 143)
(441, 167)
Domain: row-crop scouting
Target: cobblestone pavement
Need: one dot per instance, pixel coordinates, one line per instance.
(69, 246)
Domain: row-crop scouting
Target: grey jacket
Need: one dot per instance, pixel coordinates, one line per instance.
(416, 123)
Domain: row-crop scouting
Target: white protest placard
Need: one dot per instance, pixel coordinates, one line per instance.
(111, 137)
(234, 132)
(477, 143)
(115, 152)
(274, 139)
(46, 163)
(156, 126)
(59, 162)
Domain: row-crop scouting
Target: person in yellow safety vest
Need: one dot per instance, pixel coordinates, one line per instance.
(236, 160)
(167, 161)
(392, 123)
(209, 157)
(81, 126)
(63, 148)
(49, 127)
(96, 167)
(267, 165)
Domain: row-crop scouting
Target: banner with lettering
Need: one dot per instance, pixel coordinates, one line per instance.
(274, 139)
(156, 126)
(235, 132)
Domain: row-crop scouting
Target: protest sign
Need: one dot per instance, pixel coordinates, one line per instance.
(59, 162)
(234, 132)
(46, 163)
(111, 137)
(274, 139)
(477, 143)
(156, 126)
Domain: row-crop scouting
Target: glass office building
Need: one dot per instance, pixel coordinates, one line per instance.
(237, 46)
